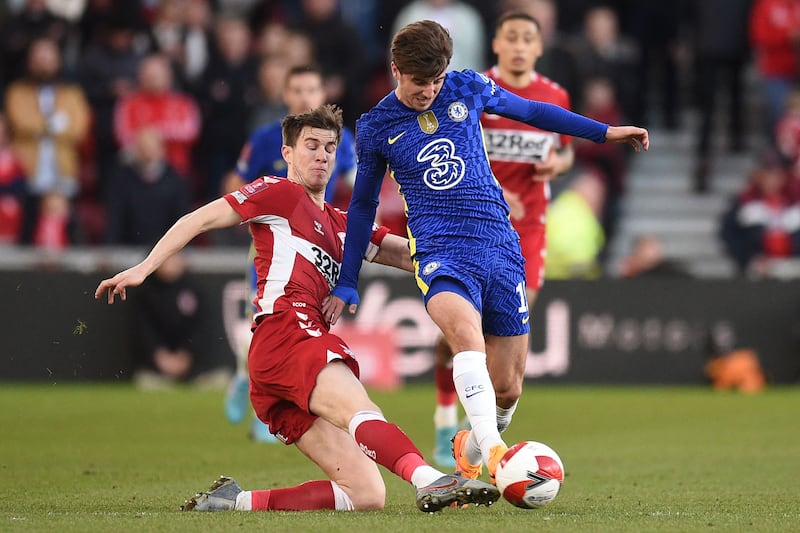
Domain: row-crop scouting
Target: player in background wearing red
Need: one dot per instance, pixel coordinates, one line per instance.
(304, 379)
(523, 159)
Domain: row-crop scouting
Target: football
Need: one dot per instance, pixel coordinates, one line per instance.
(530, 475)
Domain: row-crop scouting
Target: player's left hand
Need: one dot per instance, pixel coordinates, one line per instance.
(636, 137)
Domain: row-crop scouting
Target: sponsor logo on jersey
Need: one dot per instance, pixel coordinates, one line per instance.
(431, 267)
(457, 111)
(488, 80)
(445, 169)
(239, 197)
(318, 227)
(517, 146)
(428, 122)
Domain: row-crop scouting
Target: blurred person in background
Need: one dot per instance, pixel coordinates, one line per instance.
(170, 311)
(558, 61)
(198, 43)
(339, 53)
(155, 103)
(227, 94)
(762, 224)
(462, 20)
(108, 71)
(13, 189)
(269, 107)
(721, 53)
(787, 132)
(145, 195)
(603, 51)
(262, 156)
(20, 30)
(524, 159)
(647, 259)
(774, 31)
(610, 161)
(575, 234)
(49, 119)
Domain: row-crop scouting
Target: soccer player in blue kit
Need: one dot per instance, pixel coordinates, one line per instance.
(466, 254)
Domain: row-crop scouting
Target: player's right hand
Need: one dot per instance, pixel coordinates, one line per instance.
(133, 277)
(333, 306)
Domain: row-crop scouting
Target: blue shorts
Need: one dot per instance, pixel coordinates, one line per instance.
(492, 279)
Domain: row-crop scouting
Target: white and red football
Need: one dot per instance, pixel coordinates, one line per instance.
(530, 475)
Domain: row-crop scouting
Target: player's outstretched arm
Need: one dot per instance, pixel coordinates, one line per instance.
(636, 137)
(394, 252)
(214, 215)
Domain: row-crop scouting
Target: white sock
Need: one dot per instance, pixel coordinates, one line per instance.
(343, 501)
(424, 475)
(244, 501)
(445, 416)
(504, 416)
(475, 390)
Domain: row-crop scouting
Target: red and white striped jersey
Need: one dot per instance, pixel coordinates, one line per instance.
(513, 146)
(298, 246)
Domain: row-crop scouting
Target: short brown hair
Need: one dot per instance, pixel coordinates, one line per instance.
(516, 15)
(422, 49)
(299, 70)
(326, 117)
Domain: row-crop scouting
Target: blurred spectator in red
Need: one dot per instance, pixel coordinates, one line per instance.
(763, 221)
(338, 51)
(13, 190)
(227, 94)
(107, 74)
(18, 33)
(145, 195)
(609, 160)
(49, 119)
(155, 103)
(721, 51)
(775, 38)
(787, 132)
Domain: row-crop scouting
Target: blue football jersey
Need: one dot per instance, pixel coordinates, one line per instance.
(438, 159)
(262, 156)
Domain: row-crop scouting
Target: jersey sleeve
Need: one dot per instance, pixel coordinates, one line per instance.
(548, 117)
(363, 204)
(266, 195)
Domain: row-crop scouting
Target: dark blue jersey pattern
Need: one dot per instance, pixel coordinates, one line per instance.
(438, 159)
(262, 156)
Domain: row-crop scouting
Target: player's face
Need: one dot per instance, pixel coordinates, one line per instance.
(303, 93)
(518, 45)
(416, 93)
(312, 158)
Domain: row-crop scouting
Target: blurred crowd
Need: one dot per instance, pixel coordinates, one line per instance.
(119, 116)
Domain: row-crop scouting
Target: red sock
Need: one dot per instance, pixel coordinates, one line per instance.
(309, 496)
(445, 388)
(386, 444)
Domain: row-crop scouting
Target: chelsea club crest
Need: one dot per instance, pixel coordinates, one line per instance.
(457, 111)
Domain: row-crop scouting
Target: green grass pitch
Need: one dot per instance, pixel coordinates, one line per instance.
(110, 458)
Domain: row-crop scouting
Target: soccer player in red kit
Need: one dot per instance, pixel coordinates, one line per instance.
(304, 379)
(523, 159)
